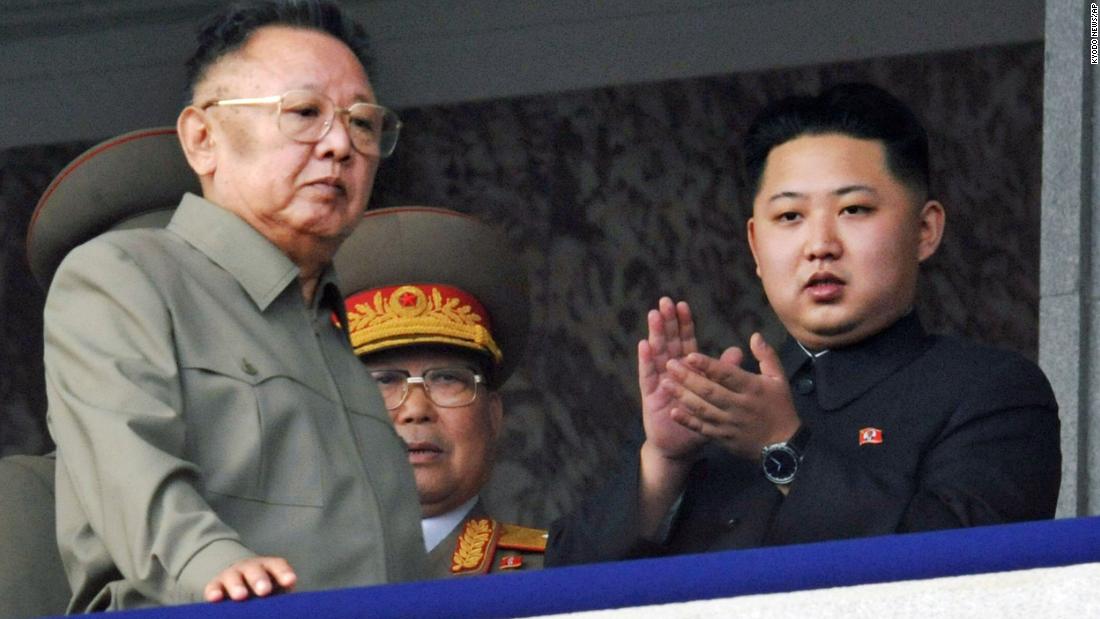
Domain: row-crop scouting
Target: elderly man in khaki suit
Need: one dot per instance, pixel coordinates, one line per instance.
(215, 436)
(439, 316)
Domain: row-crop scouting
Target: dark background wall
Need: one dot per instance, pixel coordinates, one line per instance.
(617, 195)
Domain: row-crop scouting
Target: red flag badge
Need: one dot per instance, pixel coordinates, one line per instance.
(511, 562)
(870, 436)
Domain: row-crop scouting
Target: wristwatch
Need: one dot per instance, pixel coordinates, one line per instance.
(781, 460)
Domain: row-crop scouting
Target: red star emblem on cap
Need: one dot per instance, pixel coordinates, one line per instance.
(407, 300)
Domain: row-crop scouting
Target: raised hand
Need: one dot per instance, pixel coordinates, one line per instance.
(717, 399)
(671, 338)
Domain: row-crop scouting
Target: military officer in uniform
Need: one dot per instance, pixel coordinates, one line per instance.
(439, 317)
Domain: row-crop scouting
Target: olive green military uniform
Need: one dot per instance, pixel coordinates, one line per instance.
(482, 545)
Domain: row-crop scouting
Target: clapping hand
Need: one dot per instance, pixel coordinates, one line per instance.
(717, 399)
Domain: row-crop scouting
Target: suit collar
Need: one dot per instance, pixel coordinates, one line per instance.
(260, 267)
(847, 373)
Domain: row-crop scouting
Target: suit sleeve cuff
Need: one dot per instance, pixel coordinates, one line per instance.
(207, 563)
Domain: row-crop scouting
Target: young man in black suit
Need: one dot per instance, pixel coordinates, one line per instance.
(862, 423)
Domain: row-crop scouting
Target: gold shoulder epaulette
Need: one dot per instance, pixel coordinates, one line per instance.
(473, 552)
(515, 537)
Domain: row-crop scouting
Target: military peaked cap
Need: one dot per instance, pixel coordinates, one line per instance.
(424, 275)
(134, 180)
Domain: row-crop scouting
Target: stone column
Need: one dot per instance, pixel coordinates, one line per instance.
(1069, 350)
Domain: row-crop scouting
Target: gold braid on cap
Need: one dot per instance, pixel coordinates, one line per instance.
(392, 316)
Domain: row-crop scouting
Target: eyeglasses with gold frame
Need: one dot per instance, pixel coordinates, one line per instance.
(307, 116)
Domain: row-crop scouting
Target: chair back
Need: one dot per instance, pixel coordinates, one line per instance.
(32, 579)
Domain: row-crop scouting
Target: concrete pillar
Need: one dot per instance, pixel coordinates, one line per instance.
(1069, 350)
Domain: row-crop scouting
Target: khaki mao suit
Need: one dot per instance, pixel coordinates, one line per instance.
(203, 414)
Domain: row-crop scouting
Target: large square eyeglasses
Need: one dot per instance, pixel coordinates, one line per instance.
(306, 116)
(445, 387)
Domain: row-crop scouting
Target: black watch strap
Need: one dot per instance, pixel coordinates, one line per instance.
(799, 441)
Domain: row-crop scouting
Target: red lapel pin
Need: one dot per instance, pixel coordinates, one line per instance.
(511, 562)
(870, 436)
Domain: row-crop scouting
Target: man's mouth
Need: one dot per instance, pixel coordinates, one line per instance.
(423, 451)
(825, 287)
(330, 184)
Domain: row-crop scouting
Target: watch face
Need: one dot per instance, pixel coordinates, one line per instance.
(780, 464)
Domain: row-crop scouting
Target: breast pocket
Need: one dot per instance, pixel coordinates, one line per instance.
(254, 433)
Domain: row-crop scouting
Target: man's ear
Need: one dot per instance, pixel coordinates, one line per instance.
(197, 140)
(931, 222)
(751, 230)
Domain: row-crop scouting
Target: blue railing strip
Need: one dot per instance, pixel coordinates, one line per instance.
(693, 577)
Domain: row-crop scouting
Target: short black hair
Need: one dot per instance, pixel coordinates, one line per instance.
(858, 110)
(228, 30)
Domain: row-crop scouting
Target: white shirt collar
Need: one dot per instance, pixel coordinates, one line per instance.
(813, 355)
(437, 528)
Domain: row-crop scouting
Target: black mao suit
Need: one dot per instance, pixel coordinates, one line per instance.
(960, 435)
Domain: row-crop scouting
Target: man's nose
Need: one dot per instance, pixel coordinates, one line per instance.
(336, 142)
(417, 407)
(822, 243)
